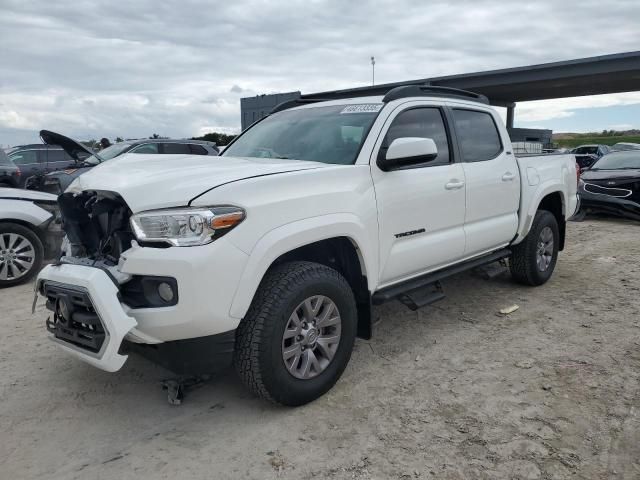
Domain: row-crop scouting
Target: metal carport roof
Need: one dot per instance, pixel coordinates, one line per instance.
(615, 73)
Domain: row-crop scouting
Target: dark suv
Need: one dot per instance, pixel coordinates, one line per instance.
(57, 182)
(38, 159)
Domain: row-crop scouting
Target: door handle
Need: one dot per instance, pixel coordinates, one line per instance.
(507, 177)
(454, 185)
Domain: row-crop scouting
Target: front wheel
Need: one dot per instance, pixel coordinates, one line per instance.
(21, 254)
(533, 260)
(297, 337)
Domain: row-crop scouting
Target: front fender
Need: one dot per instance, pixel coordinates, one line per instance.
(23, 211)
(288, 237)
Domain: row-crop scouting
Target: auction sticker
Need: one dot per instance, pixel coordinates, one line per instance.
(363, 108)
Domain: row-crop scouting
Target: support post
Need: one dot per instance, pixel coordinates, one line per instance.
(510, 114)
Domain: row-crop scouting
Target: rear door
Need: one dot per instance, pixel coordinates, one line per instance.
(492, 179)
(420, 208)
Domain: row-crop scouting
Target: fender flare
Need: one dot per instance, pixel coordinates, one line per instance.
(526, 218)
(293, 235)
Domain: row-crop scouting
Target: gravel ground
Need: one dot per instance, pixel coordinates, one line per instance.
(451, 391)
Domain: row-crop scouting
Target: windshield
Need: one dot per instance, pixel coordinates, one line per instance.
(319, 134)
(108, 153)
(618, 160)
(586, 150)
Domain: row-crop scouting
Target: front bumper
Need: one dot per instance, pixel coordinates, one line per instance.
(103, 294)
(206, 276)
(620, 207)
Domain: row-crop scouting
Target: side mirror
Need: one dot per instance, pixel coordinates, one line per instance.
(408, 151)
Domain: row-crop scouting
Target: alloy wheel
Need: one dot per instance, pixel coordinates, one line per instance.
(17, 256)
(544, 250)
(311, 337)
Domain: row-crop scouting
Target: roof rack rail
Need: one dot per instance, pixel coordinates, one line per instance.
(296, 102)
(411, 90)
(432, 91)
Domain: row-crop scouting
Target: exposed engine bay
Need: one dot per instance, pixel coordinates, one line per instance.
(96, 225)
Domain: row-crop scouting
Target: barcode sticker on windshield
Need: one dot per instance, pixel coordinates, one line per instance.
(362, 108)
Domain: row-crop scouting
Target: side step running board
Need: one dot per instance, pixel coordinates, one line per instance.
(420, 291)
(423, 296)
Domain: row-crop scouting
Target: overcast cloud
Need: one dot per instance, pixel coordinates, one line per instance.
(178, 68)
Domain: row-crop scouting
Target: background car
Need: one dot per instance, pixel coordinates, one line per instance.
(612, 185)
(9, 173)
(57, 182)
(29, 233)
(587, 155)
(623, 146)
(38, 159)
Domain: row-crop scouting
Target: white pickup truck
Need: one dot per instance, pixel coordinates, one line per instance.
(271, 255)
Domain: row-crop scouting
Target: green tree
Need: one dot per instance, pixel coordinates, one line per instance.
(217, 138)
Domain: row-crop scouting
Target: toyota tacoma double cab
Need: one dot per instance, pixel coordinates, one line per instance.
(271, 257)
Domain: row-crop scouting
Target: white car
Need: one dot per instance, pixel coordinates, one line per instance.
(271, 257)
(28, 233)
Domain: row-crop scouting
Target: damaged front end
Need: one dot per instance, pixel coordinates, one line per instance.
(97, 227)
(84, 289)
(617, 197)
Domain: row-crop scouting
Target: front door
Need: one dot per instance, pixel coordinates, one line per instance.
(420, 208)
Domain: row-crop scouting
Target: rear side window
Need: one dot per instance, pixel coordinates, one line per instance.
(422, 122)
(198, 149)
(149, 148)
(477, 134)
(173, 148)
(25, 157)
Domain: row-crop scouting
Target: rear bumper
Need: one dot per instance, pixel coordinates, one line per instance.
(103, 294)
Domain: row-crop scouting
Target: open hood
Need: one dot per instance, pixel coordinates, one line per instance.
(149, 182)
(76, 150)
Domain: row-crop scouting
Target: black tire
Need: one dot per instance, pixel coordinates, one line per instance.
(523, 262)
(32, 237)
(258, 351)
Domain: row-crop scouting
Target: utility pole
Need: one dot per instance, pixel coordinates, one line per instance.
(373, 70)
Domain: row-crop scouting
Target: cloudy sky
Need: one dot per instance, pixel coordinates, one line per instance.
(179, 68)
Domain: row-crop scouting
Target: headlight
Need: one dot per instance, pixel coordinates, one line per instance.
(186, 227)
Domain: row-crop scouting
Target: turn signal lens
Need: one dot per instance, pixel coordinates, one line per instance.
(186, 227)
(226, 220)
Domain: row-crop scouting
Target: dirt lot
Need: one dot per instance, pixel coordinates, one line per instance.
(452, 391)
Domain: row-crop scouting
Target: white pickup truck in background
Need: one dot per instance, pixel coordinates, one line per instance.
(271, 255)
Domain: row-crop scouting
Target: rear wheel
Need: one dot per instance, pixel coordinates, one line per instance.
(533, 260)
(297, 337)
(21, 253)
